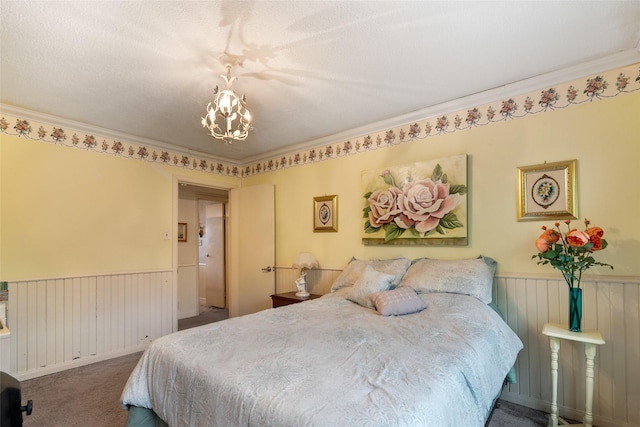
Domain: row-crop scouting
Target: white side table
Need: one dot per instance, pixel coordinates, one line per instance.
(591, 339)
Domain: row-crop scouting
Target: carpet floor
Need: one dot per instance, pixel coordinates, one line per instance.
(90, 395)
(208, 314)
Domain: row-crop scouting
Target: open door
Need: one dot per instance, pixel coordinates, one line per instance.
(212, 260)
(251, 248)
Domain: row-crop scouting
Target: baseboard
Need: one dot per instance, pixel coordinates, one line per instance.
(76, 363)
(186, 314)
(568, 413)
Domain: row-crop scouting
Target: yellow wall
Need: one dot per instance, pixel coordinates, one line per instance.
(68, 212)
(604, 137)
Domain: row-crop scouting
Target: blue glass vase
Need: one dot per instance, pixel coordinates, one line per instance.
(575, 309)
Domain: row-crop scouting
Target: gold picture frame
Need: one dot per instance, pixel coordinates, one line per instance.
(182, 232)
(325, 213)
(547, 191)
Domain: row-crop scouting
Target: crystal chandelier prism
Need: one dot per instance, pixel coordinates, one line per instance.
(227, 116)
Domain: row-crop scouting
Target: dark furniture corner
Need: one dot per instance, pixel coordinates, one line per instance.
(287, 298)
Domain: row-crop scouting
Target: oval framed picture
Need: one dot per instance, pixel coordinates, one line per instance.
(325, 213)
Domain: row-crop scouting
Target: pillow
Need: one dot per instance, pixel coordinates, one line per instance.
(371, 281)
(466, 276)
(397, 267)
(397, 302)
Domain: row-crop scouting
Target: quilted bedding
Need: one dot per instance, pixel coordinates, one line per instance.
(331, 362)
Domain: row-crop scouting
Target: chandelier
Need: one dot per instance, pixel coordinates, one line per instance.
(227, 116)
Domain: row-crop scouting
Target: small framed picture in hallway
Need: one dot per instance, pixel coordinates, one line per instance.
(182, 231)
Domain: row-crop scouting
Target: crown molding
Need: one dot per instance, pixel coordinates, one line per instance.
(598, 65)
(107, 133)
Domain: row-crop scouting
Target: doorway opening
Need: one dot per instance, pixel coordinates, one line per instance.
(201, 256)
(212, 289)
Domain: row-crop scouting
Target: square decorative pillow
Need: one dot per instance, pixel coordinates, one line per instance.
(465, 276)
(397, 302)
(371, 281)
(349, 275)
(397, 267)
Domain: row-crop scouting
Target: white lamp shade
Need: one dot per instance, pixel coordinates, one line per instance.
(305, 260)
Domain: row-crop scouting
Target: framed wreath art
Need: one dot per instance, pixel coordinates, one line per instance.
(547, 191)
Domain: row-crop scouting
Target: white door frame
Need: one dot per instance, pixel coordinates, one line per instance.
(177, 180)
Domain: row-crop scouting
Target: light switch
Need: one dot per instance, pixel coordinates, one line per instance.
(166, 235)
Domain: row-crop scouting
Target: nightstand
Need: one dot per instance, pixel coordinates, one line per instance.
(591, 340)
(290, 298)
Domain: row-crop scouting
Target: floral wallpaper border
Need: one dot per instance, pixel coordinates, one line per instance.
(601, 86)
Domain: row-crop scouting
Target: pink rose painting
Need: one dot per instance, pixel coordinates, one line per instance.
(421, 203)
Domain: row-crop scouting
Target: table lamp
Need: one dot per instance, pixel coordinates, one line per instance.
(304, 260)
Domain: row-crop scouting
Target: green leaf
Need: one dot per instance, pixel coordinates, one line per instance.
(450, 221)
(367, 195)
(444, 178)
(369, 229)
(603, 264)
(366, 211)
(437, 173)
(458, 189)
(440, 229)
(392, 231)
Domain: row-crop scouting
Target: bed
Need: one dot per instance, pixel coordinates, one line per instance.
(396, 343)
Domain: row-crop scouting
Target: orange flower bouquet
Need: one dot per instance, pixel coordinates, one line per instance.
(571, 252)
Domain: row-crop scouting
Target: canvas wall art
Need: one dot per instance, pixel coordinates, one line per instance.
(423, 203)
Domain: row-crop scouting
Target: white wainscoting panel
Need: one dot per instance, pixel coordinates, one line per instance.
(610, 306)
(61, 323)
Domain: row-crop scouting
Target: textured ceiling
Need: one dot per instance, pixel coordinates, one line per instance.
(310, 69)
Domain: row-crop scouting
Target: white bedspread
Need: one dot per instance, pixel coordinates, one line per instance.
(331, 362)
